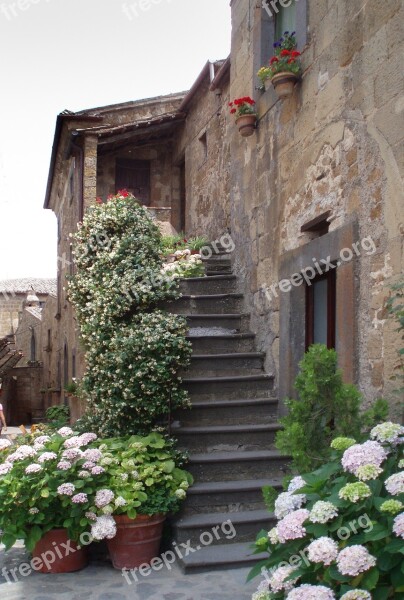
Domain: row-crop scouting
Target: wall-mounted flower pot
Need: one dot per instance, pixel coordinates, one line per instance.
(284, 84)
(246, 124)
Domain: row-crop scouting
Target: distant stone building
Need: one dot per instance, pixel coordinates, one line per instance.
(13, 293)
(318, 183)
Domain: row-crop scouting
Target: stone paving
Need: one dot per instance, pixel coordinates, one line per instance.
(102, 582)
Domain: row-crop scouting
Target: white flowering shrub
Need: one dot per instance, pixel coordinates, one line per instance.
(133, 350)
(340, 529)
(79, 482)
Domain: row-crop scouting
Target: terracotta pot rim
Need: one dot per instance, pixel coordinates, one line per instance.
(147, 518)
(285, 75)
(252, 117)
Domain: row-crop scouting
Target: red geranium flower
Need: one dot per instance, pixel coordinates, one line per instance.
(285, 53)
(233, 110)
(273, 60)
(98, 200)
(123, 193)
(295, 53)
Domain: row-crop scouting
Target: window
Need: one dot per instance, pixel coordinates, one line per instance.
(285, 19)
(65, 365)
(134, 176)
(320, 310)
(204, 145)
(33, 347)
(73, 365)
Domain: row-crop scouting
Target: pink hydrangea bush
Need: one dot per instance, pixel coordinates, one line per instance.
(340, 530)
(79, 482)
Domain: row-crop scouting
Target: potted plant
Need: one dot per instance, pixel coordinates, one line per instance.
(246, 116)
(45, 495)
(196, 243)
(143, 484)
(71, 388)
(284, 69)
(65, 487)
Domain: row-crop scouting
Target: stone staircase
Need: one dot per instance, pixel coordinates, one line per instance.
(229, 433)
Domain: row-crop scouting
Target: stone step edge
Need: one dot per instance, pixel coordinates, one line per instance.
(235, 378)
(211, 519)
(234, 456)
(228, 356)
(217, 316)
(232, 555)
(223, 336)
(217, 277)
(236, 485)
(209, 296)
(210, 429)
(234, 403)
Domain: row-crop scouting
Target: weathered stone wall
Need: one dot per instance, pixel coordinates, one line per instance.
(24, 401)
(336, 145)
(10, 307)
(207, 162)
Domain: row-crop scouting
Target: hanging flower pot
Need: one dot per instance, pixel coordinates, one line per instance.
(284, 68)
(58, 554)
(137, 541)
(244, 112)
(284, 83)
(246, 124)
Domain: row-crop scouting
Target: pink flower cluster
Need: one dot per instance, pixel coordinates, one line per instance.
(359, 455)
(66, 489)
(354, 560)
(395, 484)
(34, 468)
(311, 592)
(277, 581)
(80, 498)
(323, 550)
(103, 528)
(291, 526)
(103, 497)
(398, 525)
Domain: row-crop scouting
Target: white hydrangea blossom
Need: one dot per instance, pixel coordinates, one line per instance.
(388, 433)
(311, 592)
(287, 502)
(323, 550)
(322, 512)
(103, 528)
(277, 581)
(395, 484)
(356, 595)
(398, 525)
(354, 560)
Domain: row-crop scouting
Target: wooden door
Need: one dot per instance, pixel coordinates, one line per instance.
(134, 176)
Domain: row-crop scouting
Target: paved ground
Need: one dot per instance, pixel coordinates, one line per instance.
(105, 583)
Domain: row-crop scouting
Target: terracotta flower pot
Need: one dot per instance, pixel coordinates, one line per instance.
(284, 83)
(58, 554)
(137, 541)
(246, 124)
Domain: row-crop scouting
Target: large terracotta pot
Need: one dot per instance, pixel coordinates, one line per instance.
(246, 124)
(58, 554)
(284, 83)
(137, 541)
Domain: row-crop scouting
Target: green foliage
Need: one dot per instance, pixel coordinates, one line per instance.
(57, 416)
(326, 407)
(141, 474)
(370, 520)
(270, 494)
(134, 351)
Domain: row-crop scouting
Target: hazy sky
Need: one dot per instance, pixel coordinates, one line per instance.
(77, 54)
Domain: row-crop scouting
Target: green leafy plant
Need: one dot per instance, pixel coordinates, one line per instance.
(325, 407)
(134, 350)
(196, 243)
(340, 529)
(285, 59)
(71, 387)
(65, 480)
(57, 416)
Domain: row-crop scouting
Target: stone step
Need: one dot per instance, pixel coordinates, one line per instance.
(227, 496)
(232, 388)
(221, 556)
(227, 466)
(218, 267)
(208, 528)
(226, 438)
(230, 412)
(221, 342)
(235, 323)
(214, 365)
(216, 257)
(207, 304)
(215, 284)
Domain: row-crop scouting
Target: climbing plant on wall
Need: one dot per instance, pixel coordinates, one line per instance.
(134, 350)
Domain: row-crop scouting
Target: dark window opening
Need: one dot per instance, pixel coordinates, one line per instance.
(134, 176)
(319, 226)
(33, 347)
(183, 200)
(73, 365)
(204, 144)
(65, 365)
(321, 310)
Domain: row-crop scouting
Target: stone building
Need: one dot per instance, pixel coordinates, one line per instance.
(314, 204)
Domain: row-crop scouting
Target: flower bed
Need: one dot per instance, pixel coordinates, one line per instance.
(340, 530)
